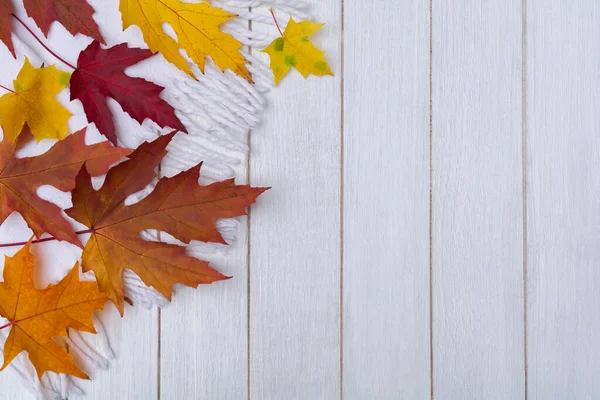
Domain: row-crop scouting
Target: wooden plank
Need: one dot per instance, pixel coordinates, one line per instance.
(134, 372)
(563, 187)
(204, 334)
(12, 387)
(477, 225)
(295, 232)
(386, 200)
(13, 229)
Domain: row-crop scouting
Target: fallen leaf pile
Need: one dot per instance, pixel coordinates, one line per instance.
(177, 205)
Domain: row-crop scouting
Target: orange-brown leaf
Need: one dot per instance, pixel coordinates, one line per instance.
(36, 316)
(20, 178)
(74, 15)
(177, 205)
(6, 10)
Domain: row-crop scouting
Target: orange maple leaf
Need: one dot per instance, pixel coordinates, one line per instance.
(36, 316)
(177, 205)
(20, 178)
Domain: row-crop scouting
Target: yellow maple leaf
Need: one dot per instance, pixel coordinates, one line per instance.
(293, 49)
(36, 316)
(34, 102)
(197, 29)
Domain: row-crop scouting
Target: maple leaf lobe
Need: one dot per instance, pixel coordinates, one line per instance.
(37, 316)
(6, 10)
(100, 74)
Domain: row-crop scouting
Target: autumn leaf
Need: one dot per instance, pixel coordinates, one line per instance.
(74, 15)
(294, 49)
(197, 29)
(21, 177)
(37, 316)
(177, 205)
(100, 74)
(34, 102)
(6, 10)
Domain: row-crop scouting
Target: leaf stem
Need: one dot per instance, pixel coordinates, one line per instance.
(42, 43)
(5, 88)
(15, 244)
(275, 19)
(6, 325)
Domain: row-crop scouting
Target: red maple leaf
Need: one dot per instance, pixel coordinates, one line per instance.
(100, 74)
(74, 15)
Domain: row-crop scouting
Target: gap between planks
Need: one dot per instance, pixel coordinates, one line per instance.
(248, 232)
(524, 178)
(342, 203)
(159, 327)
(431, 392)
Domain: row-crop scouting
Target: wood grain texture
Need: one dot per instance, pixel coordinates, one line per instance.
(386, 200)
(563, 208)
(134, 372)
(477, 225)
(204, 333)
(204, 346)
(12, 388)
(339, 304)
(134, 339)
(295, 233)
(11, 384)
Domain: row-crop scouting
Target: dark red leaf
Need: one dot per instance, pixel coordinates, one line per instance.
(101, 73)
(74, 15)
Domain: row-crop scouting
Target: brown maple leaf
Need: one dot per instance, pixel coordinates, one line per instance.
(6, 11)
(36, 316)
(20, 178)
(74, 15)
(177, 205)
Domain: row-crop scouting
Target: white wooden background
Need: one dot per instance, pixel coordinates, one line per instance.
(433, 230)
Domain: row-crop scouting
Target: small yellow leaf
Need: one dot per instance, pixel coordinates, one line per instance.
(294, 49)
(197, 29)
(34, 102)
